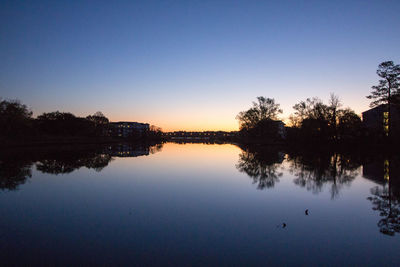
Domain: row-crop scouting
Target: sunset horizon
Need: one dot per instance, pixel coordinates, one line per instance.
(191, 66)
(200, 133)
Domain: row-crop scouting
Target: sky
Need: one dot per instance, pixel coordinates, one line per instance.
(191, 65)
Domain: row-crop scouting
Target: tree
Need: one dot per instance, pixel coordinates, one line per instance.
(64, 124)
(155, 132)
(247, 119)
(267, 108)
(388, 89)
(100, 123)
(263, 109)
(349, 125)
(98, 118)
(155, 129)
(312, 108)
(15, 118)
(334, 105)
(315, 121)
(294, 121)
(313, 118)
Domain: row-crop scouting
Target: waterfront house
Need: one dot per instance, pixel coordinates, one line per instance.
(125, 129)
(376, 120)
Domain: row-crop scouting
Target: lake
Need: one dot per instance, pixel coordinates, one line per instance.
(198, 204)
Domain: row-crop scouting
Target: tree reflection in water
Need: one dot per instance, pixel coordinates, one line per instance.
(388, 207)
(66, 164)
(14, 173)
(16, 165)
(314, 171)
(156, 148)
(262, 165)
(386, 198)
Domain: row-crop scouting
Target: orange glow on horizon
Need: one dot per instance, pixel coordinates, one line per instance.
(169, 125)
(197, 119)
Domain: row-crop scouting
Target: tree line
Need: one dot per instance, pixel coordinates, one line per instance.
(314, 121)
(17, 123)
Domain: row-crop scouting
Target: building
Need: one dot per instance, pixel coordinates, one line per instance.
(127, 129)
(376, 120)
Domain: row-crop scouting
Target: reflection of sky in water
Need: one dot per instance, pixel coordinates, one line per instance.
(188, 204)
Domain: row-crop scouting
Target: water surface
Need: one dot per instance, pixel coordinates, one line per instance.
(197, 204)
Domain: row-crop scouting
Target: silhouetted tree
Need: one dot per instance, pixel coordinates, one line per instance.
(333, 108)
(98, 118)
(65, 124)
(313, 121)
(311, 108)
(155, 132)
(294, 121)
(259, 122)
(15, 119)
(312, 117)
(388, 89)
(100, 123)
(350, 125)
(263, 109)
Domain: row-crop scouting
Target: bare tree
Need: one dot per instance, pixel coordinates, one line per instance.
(334, 105)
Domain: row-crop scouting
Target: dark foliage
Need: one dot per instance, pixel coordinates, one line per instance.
(15, 119)
(387, 92)
(65, 124)
(388, 88)
(316, 122)
(260, 121)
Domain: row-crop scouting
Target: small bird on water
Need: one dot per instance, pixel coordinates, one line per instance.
(283, 225)
(306, 212)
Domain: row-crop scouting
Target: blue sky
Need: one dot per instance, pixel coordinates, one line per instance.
(191, 65)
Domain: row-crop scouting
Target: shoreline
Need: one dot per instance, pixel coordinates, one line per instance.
(285, 146)
(29, 143)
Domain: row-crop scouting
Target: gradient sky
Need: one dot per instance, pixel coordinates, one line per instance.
(191, 65)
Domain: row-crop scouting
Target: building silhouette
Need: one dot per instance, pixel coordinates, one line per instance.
(125, 129)
(376, 120)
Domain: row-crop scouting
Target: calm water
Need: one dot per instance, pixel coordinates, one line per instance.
(198, 204)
